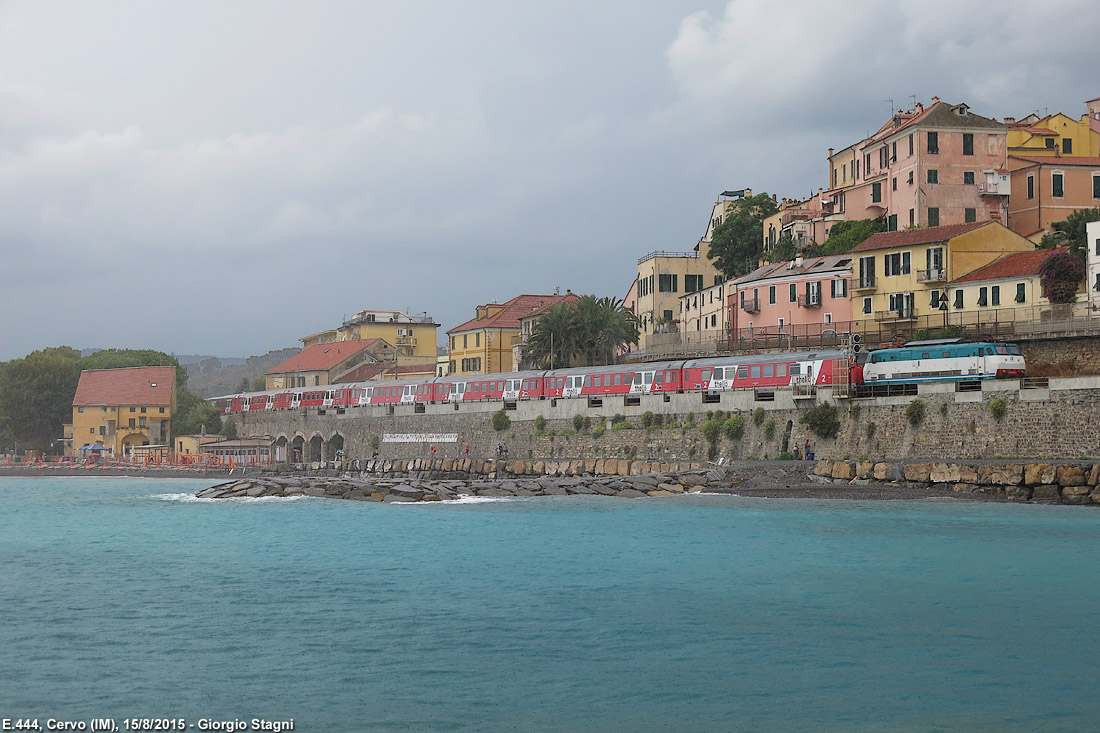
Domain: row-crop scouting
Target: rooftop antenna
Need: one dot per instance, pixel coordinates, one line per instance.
(914, 98)
(891, 101)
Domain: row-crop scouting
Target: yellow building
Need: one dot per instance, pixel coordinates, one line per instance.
(1055, 134)
(411, 336)
(192, 444)
(998, 290)
(483, 345)
(121, 409)
(902, 277)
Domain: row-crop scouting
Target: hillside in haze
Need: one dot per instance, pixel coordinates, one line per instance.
(211, 377)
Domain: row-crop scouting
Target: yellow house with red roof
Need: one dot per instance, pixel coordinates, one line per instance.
(483, 345)
(121, 409)
(328, 363)
(901, 277)
(1009, 282)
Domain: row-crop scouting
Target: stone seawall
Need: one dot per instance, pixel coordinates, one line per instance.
(1058, 421)
(1064, 483)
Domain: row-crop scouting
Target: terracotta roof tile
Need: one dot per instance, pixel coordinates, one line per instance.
(510, 312)
(1019, 264)
(321, 357)
(911, 237)
(1056, 161)
(132, 386)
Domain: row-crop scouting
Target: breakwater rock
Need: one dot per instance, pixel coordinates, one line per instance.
(367, 487)
(1050, 483)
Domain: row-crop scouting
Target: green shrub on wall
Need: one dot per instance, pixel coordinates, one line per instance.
(822, 420)
(712, 429)
(914, 413)
(758, 416)
(734, 427)
(501, 421)
(769, 429)
(998, 407)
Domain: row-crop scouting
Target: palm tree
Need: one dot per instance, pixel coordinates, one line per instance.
(589, 331)
(551, 342)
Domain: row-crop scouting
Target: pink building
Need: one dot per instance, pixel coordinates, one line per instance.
(926, 167)
(799, 298)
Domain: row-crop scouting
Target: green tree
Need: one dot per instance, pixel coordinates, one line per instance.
(122, 358)
(259, 384)
(737, 242)
(1070, 232)
(845, 235)
(1060, 275)
(36, 396)
(588, 331)
(194, 415)
(551, 342)
(784, 250)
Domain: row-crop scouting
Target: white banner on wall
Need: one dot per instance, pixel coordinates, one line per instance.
(420, 437)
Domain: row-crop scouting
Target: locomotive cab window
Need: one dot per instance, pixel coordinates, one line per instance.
(588, 381)
(706, 375)
(796, 369)
(660, 378)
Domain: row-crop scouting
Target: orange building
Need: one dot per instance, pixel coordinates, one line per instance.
(1046, 190)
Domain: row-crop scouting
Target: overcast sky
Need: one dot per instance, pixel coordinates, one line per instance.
(224, 177)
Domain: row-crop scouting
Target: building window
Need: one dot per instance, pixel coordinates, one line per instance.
(1020, 292)
(143, 422)
(876, 192)
(162, 411)
(897, 263)
(667, 283)
(893, 151)
(995, 295)
(834, 177)
(867, 305)
(771, 294)
(1067, 146)
(968, 143)
(894, 183)
(1050, 143)
(1031, 187)
(1056, 189)
(933, 175)
(970, 215)
(892, 223)
(910, 180)
(983, 298)
(840, 288)
(81, 409)
(477, 339)
(1096, 185)
(102, 429)
(968, 177)
(465, 342)
(933, 142)
(693, 283)
(912, 219)
(133, 409)
(910, 144)
(958, 299)
(133, 422)
(317, 380)
(143, 411)
(794, 288)
(934, 216)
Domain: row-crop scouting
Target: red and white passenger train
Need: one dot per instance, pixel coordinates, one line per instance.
(699, 375)
(918, 361)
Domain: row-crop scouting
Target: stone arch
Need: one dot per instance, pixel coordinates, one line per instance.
(335, 443)
(313, 448)
(298, 449)
(281, 452)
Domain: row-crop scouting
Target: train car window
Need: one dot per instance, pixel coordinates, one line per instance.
(769, 370)
(588, 381)
(946, 355)
(796, 369)
(780, 370)
(618, 380)
(649, 378)
(743, 372)
(705, 376)
(597, 381)
(660, 378)
(754, 371)
(926, 355)
(638, 378)
(989, 350)
(1015, 350)
(1002, 349)
(526, 384)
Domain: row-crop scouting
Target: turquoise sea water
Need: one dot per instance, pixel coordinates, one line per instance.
(128, 598)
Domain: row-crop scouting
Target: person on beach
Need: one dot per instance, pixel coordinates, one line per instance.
(466, 447)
